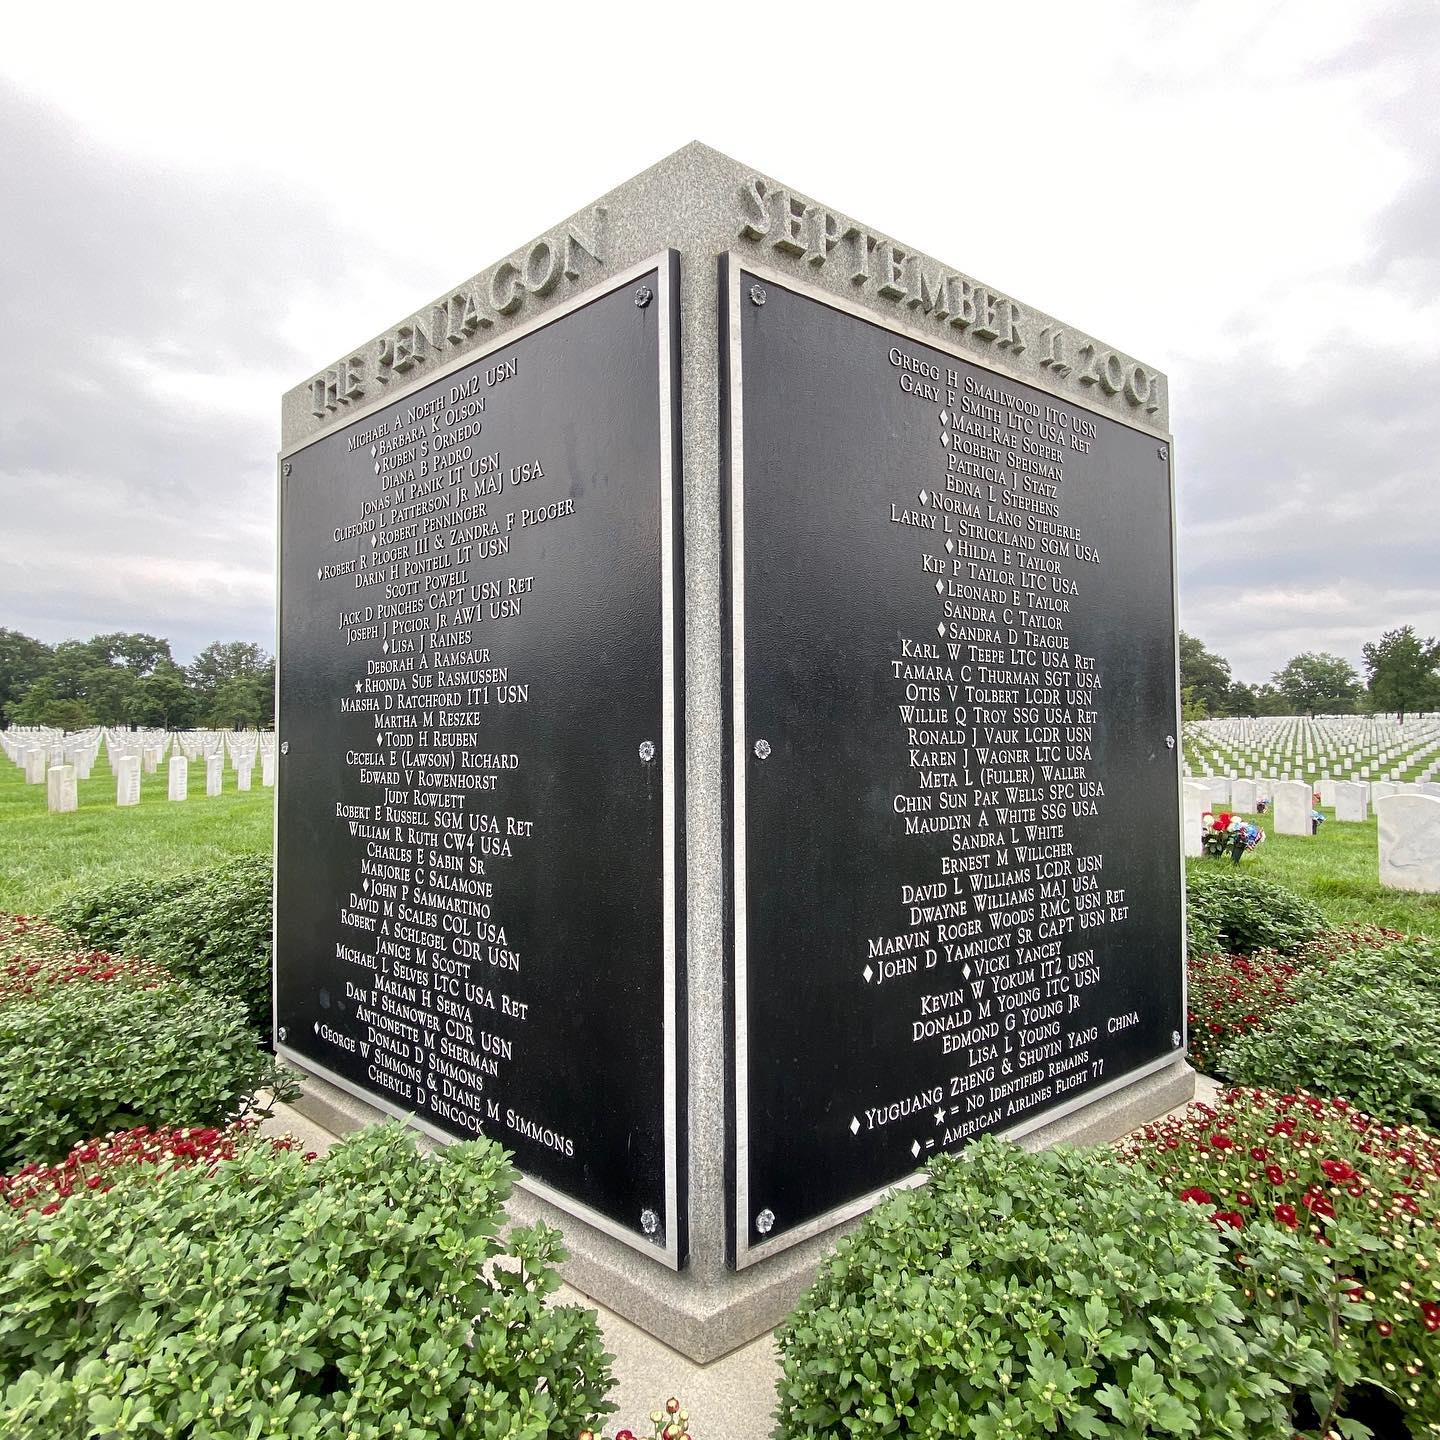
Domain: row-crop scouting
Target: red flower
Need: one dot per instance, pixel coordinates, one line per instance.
(1286, 1215)
(1221, 1141)
(1232, 1218)
(1197, 1196)
(1337, 1170)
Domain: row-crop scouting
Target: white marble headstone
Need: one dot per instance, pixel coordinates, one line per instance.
(214, 771)
(1409, 832)
(127, 780)
(1196, 796)
(1350, 802)
(1242, 795)
(179, 777)
(60, 790)
(1294, 801)
(37, 762)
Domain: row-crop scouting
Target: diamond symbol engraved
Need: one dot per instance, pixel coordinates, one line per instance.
(967, 970)
(374, 451)
(647, 750)
(316, 1027)
(939, 587)
(854, 1122)
(945, 439)
(940, 628)
(762, 749)
(944, 417)
(765, 1221)
(319, 574)
(374, 540)
(377, 467)
(915, 1148)
(924, 497)
(868, 973)
(949, 547)
(649, 1221)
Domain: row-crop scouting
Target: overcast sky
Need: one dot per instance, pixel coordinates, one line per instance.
(200, 207)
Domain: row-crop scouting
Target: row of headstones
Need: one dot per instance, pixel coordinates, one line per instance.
(60, 767)
(1350, 744)
(1350, 799)
(1408, 825)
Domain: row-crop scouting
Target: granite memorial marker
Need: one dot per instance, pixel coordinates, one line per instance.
(720, 961)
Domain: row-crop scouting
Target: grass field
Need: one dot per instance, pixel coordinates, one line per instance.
(44, 857)
(1337, 869)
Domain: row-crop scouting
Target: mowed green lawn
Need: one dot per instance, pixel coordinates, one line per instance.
(1338, 869)
(44, 857)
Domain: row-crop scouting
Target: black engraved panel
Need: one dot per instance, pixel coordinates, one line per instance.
(955, 874)
(479, 850)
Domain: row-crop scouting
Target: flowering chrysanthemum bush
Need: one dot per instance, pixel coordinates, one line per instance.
(91, 1044)
(1231, 911)
(1062, 1293)
(1361, 1196)
(1233, 995)
(362, 1294)
(97, 1164)
(1364, 1028)
(211, 926)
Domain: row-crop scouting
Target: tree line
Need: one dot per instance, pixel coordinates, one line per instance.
(133, 679)
(1402, 674)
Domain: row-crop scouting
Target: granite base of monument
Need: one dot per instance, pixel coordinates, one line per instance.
(706, 1314)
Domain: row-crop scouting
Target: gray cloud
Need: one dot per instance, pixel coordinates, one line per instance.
(145, 312)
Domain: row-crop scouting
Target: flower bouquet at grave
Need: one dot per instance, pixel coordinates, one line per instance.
(1227, 834)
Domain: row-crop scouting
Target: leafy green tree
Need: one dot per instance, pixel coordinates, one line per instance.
(1243, 700)
(1270, 701)
(1204, 676)
(1403, 670)
(42, 704)
(221, 661)
(239, 704)
(166, 699)
(138, 653)
(1316, 682)
(22, 662)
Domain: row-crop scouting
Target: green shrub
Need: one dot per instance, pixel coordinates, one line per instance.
(1231, 911)
(212, 926)
(1366, 1028)
(1024, 1295)
(1364, 1197)
(91, 1044)
(362, 1294)
(1233, 995)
